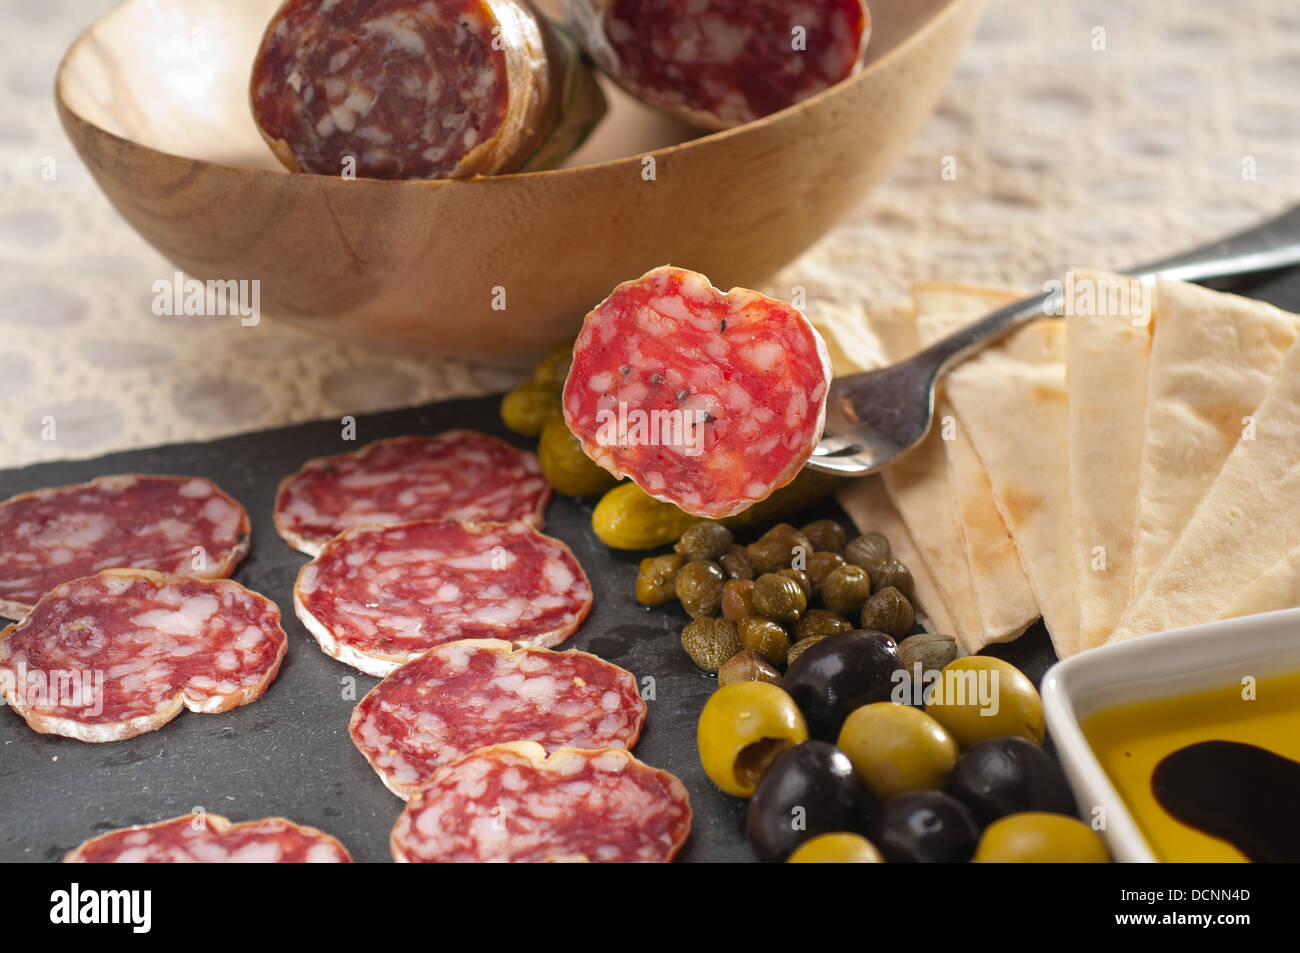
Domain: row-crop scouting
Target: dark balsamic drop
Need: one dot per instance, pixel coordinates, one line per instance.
(1240, 793)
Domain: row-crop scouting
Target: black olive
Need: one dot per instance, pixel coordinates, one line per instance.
(1004, 776)
(809, 789)
(842, 672)
(926, 827)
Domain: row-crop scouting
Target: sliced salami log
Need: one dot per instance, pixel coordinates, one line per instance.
(419, 89)
(117, 654)
(705, 400)
(457, 475)
(470, 694)
(511, 803)
(378, 596)
(171, 524)
(212, 839)
(719, 63)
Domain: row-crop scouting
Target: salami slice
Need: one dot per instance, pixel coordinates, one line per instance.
(419, 89)
(212, 839)
(467, 695)
(378, 596)
(117, 654)
(457, 475)
(171, 524)
(719, 63)
(511, 803)
(705, 400)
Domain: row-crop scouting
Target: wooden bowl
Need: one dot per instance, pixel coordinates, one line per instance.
(155, 99)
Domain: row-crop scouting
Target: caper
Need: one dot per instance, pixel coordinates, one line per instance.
(867, 547)
(710, 642)
(655, 581)
(826, 536)
(800, 647)
(779, 597)
(764, 637)
(932, 651)
(820, 622)
(888, 611)
(737, 599)
(747, 666)
(846, 589)
(892, 573)
(796, 544)
(768, 555)
(704, 541)
(699, 587)
(821, 565)
(735, 563)
(800, 577)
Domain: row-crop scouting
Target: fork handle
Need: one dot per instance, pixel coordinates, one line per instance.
(1265, 247)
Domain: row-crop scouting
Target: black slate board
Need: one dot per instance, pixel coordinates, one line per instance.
(289, 753)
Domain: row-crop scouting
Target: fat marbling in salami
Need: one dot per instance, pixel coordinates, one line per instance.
(114, 655)
(478, 692)
(172, 524)
(457, 475)
(419, 89)
(378, 596)
(511, 803)
(706, 400)
(719, 63)
(212, 839)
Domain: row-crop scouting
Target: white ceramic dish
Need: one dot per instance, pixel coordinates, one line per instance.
(1178, 662)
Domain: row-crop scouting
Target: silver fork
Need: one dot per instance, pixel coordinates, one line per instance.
(876, 416)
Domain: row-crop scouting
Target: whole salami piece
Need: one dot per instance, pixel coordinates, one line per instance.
(212, 839)
(456, 475)
(705, 400)
(420, 89)
(470, 694)
(720, 63)
(171, 524)
(114, 655)
(511, 803)
(378, 596)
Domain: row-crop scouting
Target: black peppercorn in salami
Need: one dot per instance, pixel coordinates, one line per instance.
(708, 401)
(212, 839)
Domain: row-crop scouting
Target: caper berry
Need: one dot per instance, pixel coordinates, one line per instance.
(779, 597)
(710, 642)
(820, 622)
(764, 637)
(699, 587)
(747, 666)
(826, 536)
(846, 589)
(704, 541)
(821, 565)
(735, 563)
(737, 599)
(867, 547)
(888, 611)
(655, 581)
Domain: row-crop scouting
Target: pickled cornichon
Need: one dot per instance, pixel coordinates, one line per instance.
(567, 469)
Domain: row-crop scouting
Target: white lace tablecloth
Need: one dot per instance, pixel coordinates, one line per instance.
(1099, 133)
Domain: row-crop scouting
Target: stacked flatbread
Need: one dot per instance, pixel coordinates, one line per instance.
(1130, 467)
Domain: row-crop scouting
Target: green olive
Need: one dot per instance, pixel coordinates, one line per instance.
(826, 536)
(888, 611)
(742, 728)
(821, 565)
(779, 597)
(891, 573)
(980, 697)
(710, 642)
(655, 582)
(836, 849)
(933, 652)
(800, 647)
(1035, 837)
(820, 622)
(705, 540)
(528, 407)
(553, 368)
(737, 599)
(896, 748)
(565, 466)
(735, 563)
(747, 666)
(867, 548)
(846, 589)
(764, 637)
(801, 578)
(699, 587)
